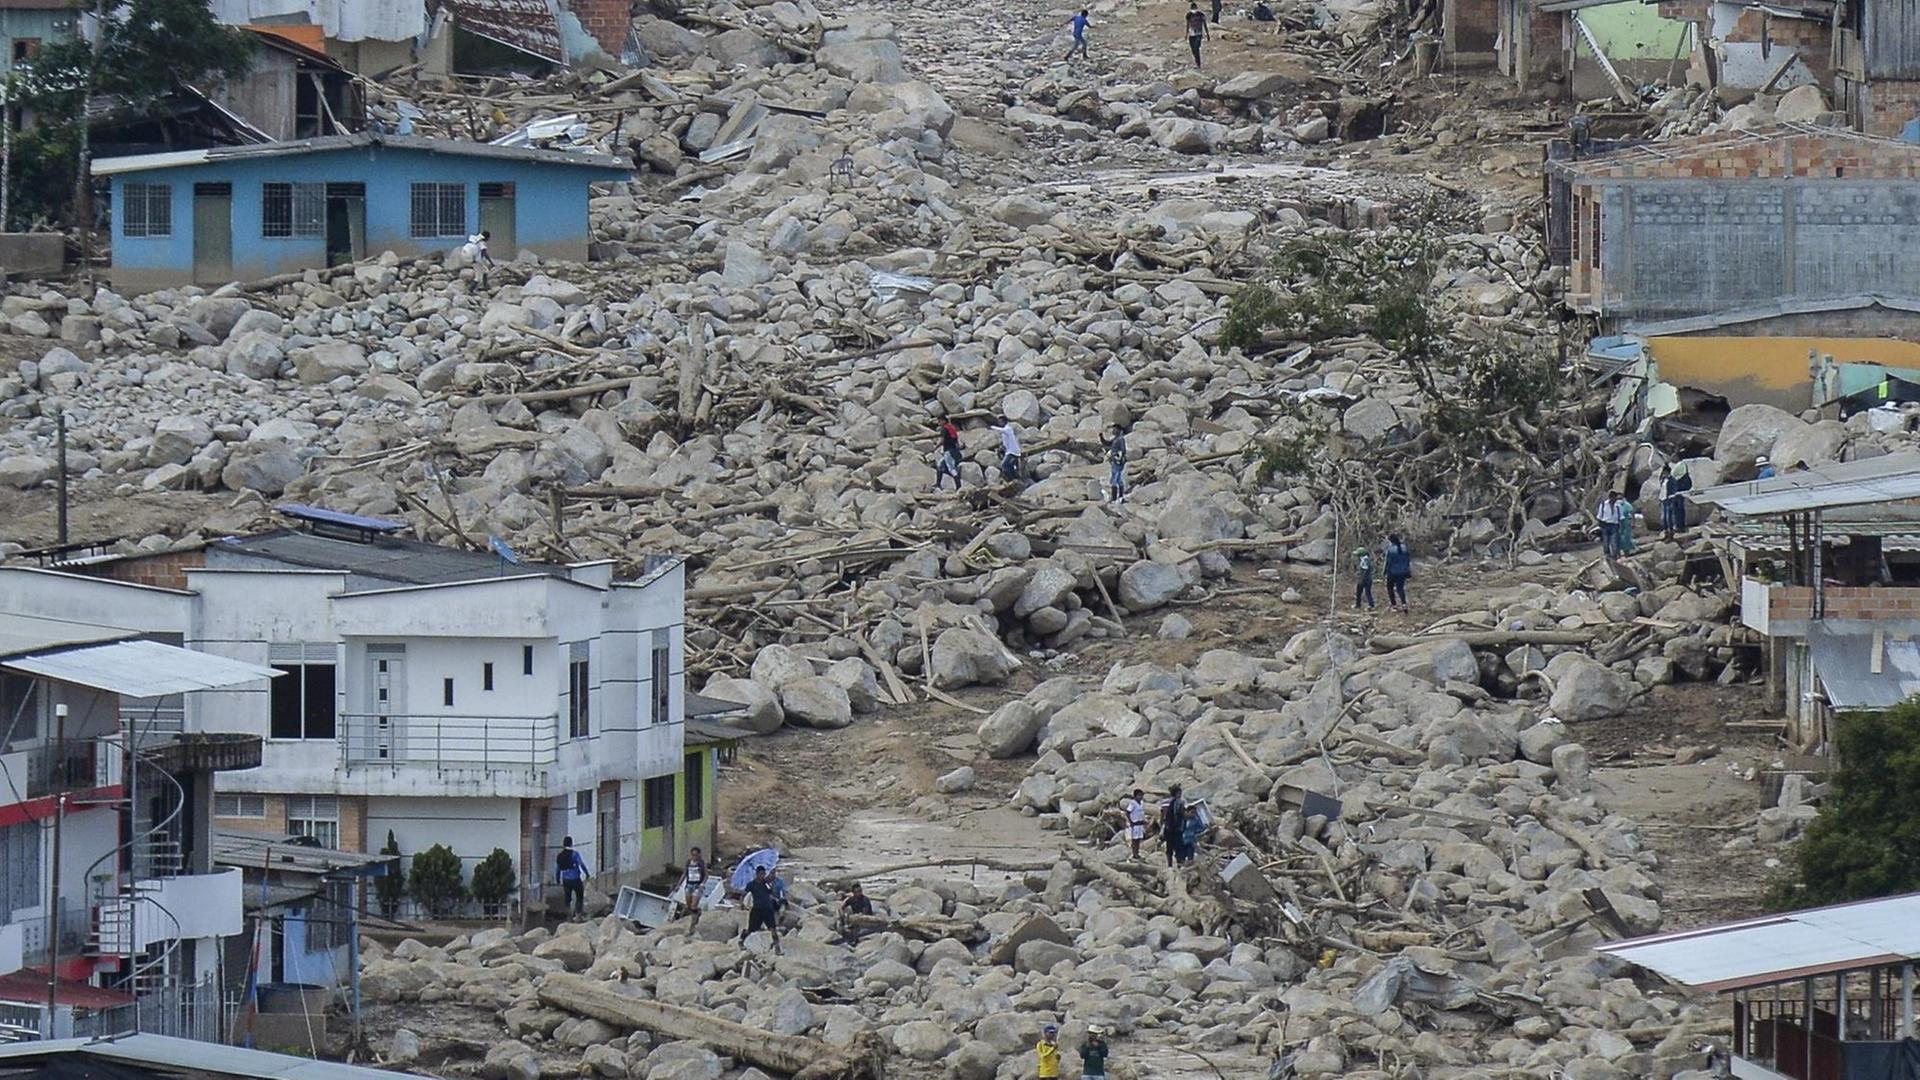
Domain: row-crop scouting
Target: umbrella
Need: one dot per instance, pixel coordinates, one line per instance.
(743, 873)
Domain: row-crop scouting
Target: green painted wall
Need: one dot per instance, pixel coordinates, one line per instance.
(1632, 31)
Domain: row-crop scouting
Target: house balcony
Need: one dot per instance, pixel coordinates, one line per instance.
(1773, 1041)
(67, 765)
(448, 744)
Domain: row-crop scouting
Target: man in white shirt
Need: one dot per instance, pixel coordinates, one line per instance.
(476, 252)
(1009, 451)
(1136, 808)
(1608, 515)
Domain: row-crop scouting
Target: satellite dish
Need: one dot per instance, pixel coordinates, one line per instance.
(501, 549)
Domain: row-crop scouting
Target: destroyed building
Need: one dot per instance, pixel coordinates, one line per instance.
(292, 89)
(1696, 226)
(217, 215)
(367, 36)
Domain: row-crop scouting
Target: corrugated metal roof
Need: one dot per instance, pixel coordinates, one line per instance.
(194, 1058)
(1786, 305)
(1844, 663)
(526, 25)
(254, 851)
(33, 633)
(388, 558)
(140, 668)
(114, 166)
(1782, 948)
(1893, 478)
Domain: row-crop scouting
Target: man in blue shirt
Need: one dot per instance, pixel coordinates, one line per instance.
(1079, 23)
(1399, 569)
(572, 870)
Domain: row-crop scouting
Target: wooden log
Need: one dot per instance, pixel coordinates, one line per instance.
(1483, 638)
(735, 588)
(600, 386)
(927, 928)
(800, 1057)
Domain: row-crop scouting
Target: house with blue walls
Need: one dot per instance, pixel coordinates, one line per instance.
(242, 213)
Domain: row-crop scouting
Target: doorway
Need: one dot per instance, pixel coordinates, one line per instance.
(346, 223)
(498, 218)
(608, 848)
(212, 234)
(386, 703)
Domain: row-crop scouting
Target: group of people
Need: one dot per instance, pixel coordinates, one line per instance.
(1399, 559)
(946, 461)
(1199, 31)
(1181, 825)
(1615, 514)
(1093, 1054)
(766, 896)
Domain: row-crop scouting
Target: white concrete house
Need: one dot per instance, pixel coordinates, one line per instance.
(445, 696)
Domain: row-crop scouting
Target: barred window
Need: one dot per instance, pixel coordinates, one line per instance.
(146, 210)
(293, 209)
(240, 806)
(439, 210)
(316, 816)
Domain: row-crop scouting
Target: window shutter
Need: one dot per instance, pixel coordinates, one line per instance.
(307, 653)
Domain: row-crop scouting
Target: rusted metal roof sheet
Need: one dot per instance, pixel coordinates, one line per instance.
(526, 25)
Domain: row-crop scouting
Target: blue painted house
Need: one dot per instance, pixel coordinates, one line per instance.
(241, 213)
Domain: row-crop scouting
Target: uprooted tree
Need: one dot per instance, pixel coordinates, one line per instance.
(1491, 430)
(1866, 841)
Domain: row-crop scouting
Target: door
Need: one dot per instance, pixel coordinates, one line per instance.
(497, 219)
(608, 849)
(212, 234)
(386, 705)
(346, 223)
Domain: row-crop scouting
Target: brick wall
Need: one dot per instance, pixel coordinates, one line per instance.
(1887, 106)
(1811, 38)
(609, 21)
(1813, 156)
(1865, 602)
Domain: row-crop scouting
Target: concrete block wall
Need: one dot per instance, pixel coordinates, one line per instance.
(1887, 105)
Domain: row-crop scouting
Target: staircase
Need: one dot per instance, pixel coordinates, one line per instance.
(119, 898)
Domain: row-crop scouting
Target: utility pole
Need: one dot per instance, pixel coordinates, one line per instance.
(53, 899)
(6, 148)
(60, 439)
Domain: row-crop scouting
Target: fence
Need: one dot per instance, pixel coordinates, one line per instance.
(448, 742)
(191, 1011)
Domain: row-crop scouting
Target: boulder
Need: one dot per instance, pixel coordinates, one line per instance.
(774, 666)
(743, 48)
(763, 714)
(1147, 585)
(176, 439)
(1023, 211)
(859, 680)
(924, 1040)
(873, 60)
(1748, 432)
(256, 354)
(960, 779)
(963, 656)
(1010, 730)
(816, 702)
(921, 103)
(266, 466)
(1585, 689)
(1252, 85)
(1185, 136)
(666, 38)
(1800, 105)
(328, 361)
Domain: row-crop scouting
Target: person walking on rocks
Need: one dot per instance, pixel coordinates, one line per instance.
(1363, 578)
(763, 907)
(948, 464)
(1190, 829)
(1399, 569)
(696, 884)
(572, 871)
(1046, 1054)
(1196, 30)
(1608, 515)
(1117, 465)
(1673, 502)
(476, 251)
(1009, 451)
(1623, 514)
(1079, 23)
(1093, 1054)
(1136, 811)
(1172, 818)
(1216, 12)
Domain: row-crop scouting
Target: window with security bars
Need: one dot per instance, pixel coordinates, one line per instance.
(240, 806)
(317, 816)
(657, 795)
(20, 884)
(439, 210)
(293, 210)
(146, 209)
(579, 692)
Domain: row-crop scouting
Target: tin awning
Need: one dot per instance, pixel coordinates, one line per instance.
(1782, 948)
(143, 669)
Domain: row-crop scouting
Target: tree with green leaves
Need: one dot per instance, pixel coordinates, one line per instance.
(391, 886)
(493, 881)
(435, 882)
(144, 52)
(1866, 841)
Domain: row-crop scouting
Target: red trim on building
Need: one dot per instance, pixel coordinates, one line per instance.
(44, 807)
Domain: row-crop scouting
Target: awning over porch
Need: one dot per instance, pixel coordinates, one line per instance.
(1865, 668)
(1782, 948)
(142, 669)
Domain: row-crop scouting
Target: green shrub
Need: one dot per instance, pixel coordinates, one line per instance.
(493, 881)
(1866, 841)
(392, 885)
(434, 882)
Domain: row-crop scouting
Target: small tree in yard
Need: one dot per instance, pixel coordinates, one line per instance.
(434, 882)
(493, 881)
(392, 885)
(1866, 841)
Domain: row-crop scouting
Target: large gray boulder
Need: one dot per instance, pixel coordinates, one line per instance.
(328, 361)
(1010, 730)
(1185, 136)
(763, 715)
(873, 60)
(1047, 587)
(255, 354)
(1586, 689)
(743, 48)
(1748, 432)
(266, 466)
(919, 102)
(967, 657)
(816, 702)
(176, 439)
(1810, 444)
(666, 38)
(26, 470)
(1147, 585)
(774, 666)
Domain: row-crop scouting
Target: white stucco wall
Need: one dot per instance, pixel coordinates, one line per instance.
(471, 827)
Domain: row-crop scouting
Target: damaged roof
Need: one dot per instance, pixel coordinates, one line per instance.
(1889, 479)
(526, 25)
(1776, 150)
(451, 147)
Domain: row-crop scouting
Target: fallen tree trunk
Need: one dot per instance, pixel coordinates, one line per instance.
(928, 928)
(800, 1057)
(1483, 638)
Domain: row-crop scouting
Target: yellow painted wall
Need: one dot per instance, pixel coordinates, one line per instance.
(1768, 370)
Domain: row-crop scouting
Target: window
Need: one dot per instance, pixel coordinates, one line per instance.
(526, 659)
(439, 210)
(446, 691)
(659, 798)
(146, 209)
(579, 693)
(317, 816)
(486, 676)
(20, 884)
(302, 699)
(240, 806)
(497, 190)
(293, 209)
(25, 49)
(583, 803)
(696, 787)
(19, 708)
(662, 676)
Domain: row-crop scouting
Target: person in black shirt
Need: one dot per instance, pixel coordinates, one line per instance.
(1197, 30)
(762, 906)
(1172, 822)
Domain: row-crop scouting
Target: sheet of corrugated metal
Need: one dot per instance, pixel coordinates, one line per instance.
(1893, 478)
(1783, 948)
(342, 20)
(527, 25)
(140, 668)
(1844, 664)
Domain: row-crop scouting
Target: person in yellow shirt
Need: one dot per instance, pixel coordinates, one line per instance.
(1047, 1053)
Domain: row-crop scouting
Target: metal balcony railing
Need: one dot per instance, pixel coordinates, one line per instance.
(447, 742)
(72, 765)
